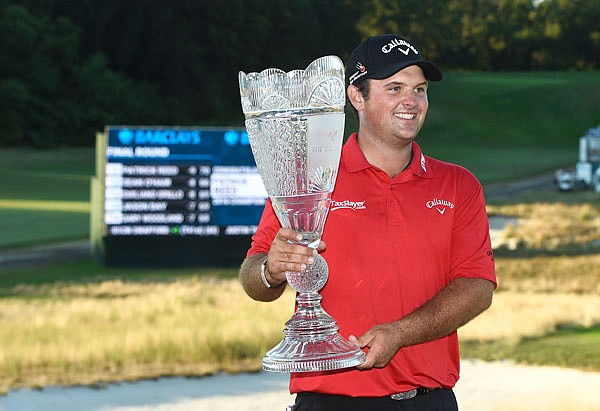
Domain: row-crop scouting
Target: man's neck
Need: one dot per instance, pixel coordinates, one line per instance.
(392, 159)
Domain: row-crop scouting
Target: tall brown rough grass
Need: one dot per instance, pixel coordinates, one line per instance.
(550, 225)
(114, 330)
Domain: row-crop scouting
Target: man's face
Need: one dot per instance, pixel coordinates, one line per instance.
(396, 106)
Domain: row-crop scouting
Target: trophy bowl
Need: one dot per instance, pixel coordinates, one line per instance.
(295, 125)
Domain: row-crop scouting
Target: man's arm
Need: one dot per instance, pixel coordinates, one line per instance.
(454, 306)
(253, 283)
(284, 255)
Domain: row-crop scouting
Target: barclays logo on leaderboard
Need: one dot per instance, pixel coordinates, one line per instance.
(159, 137)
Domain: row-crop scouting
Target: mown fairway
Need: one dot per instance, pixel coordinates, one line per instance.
(44, 195)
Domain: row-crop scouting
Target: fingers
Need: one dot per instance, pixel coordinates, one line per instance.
(321, 246)
(380, 347)
(286, 255)
(362, 342)
(368, 363)
(355, 341)
(287, 234)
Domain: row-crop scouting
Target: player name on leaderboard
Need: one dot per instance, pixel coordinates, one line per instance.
(157, 194)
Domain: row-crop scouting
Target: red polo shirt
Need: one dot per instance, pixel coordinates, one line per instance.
(393, 244)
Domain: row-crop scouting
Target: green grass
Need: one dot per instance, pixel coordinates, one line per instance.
(550, 196)
(568, 346)
(504, 126)
(24, 227)
(44, 195)
(505, 110)
(505, 163)
(55, 175)
(88, 270)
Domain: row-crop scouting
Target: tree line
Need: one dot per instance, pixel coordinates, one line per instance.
(68, 67)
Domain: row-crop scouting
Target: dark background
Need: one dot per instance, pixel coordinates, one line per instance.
(68, 67)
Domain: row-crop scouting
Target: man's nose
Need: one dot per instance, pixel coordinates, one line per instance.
(409, 99)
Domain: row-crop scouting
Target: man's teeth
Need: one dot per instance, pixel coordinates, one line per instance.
(406, 116)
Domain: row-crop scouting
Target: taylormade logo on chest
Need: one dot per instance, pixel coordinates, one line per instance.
(398, 43)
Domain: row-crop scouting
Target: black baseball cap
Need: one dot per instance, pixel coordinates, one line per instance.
(379, 57)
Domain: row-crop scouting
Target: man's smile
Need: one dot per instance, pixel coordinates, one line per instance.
(406, 116)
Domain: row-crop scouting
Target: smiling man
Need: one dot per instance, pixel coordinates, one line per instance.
(407, 244)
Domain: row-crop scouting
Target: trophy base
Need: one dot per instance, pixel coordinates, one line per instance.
(312, 342)
(311, 356)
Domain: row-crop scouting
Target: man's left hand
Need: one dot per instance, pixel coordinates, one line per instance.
(382, 341)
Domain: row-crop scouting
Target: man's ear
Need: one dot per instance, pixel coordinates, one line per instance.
(355, 98)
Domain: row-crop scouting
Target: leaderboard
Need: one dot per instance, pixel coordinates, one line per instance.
(162, 181)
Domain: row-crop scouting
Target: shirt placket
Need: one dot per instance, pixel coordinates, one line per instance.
(394, 210)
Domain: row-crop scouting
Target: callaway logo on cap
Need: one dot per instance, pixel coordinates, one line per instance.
(379, 57)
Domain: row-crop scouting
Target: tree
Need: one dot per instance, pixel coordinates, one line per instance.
(49, 95)
(69, 67)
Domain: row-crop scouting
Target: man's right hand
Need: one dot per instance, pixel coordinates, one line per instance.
(285, 255)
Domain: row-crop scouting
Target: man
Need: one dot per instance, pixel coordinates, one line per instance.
(407, 244)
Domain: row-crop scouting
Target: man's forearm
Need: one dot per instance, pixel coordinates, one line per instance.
(461, 301)
(253, 283)
(457, 304)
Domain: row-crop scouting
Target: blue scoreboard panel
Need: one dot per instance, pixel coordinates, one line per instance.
(179, 186)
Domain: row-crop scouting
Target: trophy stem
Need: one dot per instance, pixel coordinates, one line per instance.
(312, 342)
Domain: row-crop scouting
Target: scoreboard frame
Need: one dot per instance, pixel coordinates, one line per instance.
(218, 235)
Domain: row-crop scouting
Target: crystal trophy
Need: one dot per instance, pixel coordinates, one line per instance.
(295, 124)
